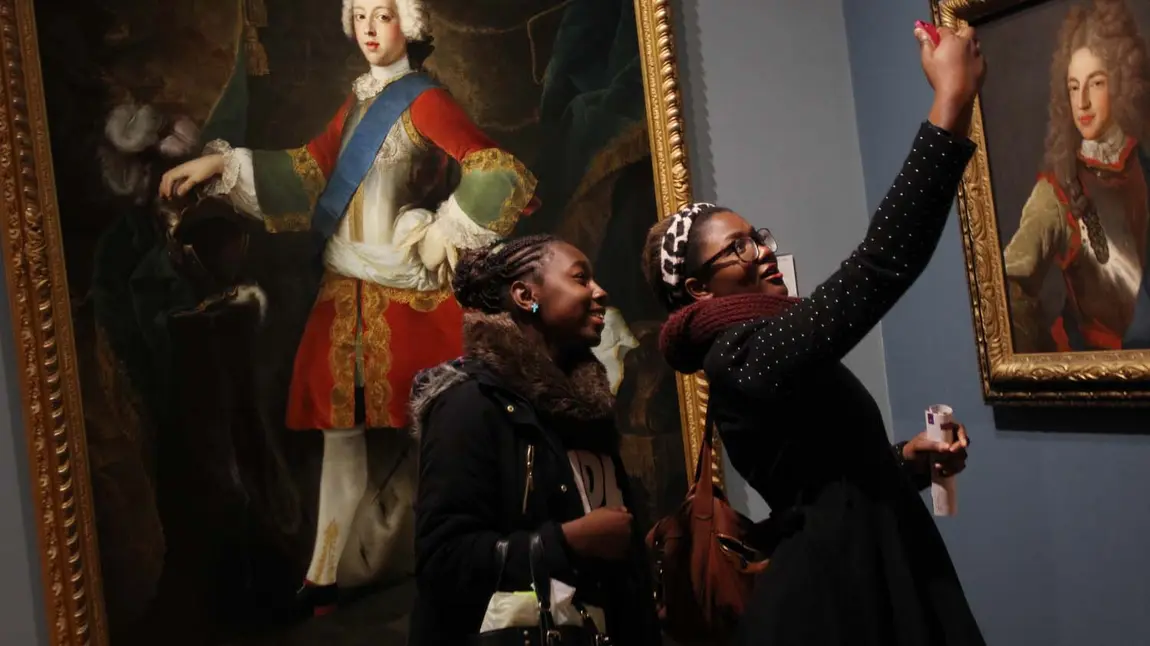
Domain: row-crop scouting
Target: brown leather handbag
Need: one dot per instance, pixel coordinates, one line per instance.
(706, 558)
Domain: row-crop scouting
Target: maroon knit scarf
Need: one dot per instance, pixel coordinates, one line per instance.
(689, 333)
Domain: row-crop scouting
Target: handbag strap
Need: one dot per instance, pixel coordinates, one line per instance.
(541, 581)
(704, 467)
(597, 638)
(501, 547)
(540, 577)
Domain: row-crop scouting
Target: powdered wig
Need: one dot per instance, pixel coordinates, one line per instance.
(1109, 31)
(412, 19)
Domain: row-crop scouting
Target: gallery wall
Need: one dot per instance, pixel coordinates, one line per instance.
(771, 131)
(21, 608)
(1050, 540)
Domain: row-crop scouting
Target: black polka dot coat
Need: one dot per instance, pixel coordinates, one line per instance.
(864, 563)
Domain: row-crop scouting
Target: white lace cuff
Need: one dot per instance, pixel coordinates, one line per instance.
(226, 181)
(237, 181)
(457, 230)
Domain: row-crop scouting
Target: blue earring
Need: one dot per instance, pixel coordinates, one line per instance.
(535, 308)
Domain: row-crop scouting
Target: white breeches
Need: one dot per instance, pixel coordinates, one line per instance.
(343, 482)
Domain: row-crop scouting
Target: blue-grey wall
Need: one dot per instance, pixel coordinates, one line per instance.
(771, 132)
(1051, 537)
(21, 606)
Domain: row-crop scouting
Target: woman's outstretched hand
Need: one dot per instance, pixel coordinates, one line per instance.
(955, 69)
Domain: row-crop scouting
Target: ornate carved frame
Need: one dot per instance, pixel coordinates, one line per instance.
(673, 189)
(1064, 378)
(46, 355)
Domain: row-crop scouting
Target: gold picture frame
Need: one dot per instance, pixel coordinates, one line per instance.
(669, 155)
(40, 309)
(1119, 377)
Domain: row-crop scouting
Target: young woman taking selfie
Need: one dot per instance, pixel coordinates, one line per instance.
(862, 563)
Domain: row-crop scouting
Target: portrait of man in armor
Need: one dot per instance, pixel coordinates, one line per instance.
(1075, 243)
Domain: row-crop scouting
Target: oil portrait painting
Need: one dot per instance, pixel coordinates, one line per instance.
(260, 203)
(1055, 207)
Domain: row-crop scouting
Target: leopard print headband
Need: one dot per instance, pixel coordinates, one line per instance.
(674, 251)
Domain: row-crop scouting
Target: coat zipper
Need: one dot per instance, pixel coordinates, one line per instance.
(530, 475)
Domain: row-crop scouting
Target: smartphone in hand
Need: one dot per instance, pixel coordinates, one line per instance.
(930, 29)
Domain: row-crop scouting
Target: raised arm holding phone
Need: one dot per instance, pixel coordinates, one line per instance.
(863, 563)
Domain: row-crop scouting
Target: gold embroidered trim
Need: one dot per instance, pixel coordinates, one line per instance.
(342, 291)
(310, 176)
(327, 557)
(328, 287)
(312, 183)
(416, 300)
(376, 357)
(377, 340)
(416, 136)
(376, 344)
(285, 222)
(522, 187)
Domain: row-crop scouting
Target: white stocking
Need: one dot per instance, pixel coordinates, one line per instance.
(342, 484)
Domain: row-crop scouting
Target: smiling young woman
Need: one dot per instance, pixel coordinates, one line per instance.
(518, 442)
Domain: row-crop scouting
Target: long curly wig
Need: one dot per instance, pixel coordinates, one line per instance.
(1109, 31)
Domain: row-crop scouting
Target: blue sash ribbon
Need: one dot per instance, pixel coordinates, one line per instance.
(359, 154)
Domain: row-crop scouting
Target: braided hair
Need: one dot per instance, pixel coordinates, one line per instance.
(483, 276)
(671, 252)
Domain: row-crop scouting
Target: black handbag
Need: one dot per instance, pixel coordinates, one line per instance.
(546, 633)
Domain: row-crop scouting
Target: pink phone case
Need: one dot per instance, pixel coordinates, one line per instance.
(929, 29)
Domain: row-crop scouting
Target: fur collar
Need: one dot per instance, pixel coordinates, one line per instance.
(496, 341)
(428, 385)
(567, 403)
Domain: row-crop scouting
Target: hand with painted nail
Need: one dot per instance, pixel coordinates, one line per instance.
(954, 66)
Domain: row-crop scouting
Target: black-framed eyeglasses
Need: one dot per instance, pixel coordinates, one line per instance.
(746, 249)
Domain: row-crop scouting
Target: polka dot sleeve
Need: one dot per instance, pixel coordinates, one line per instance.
(755, 358)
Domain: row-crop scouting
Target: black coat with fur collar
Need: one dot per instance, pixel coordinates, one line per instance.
(477, 418)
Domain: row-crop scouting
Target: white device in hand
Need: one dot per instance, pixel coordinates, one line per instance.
(942, 490)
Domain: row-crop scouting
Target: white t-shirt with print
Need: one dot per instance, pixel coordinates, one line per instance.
(596, 479)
